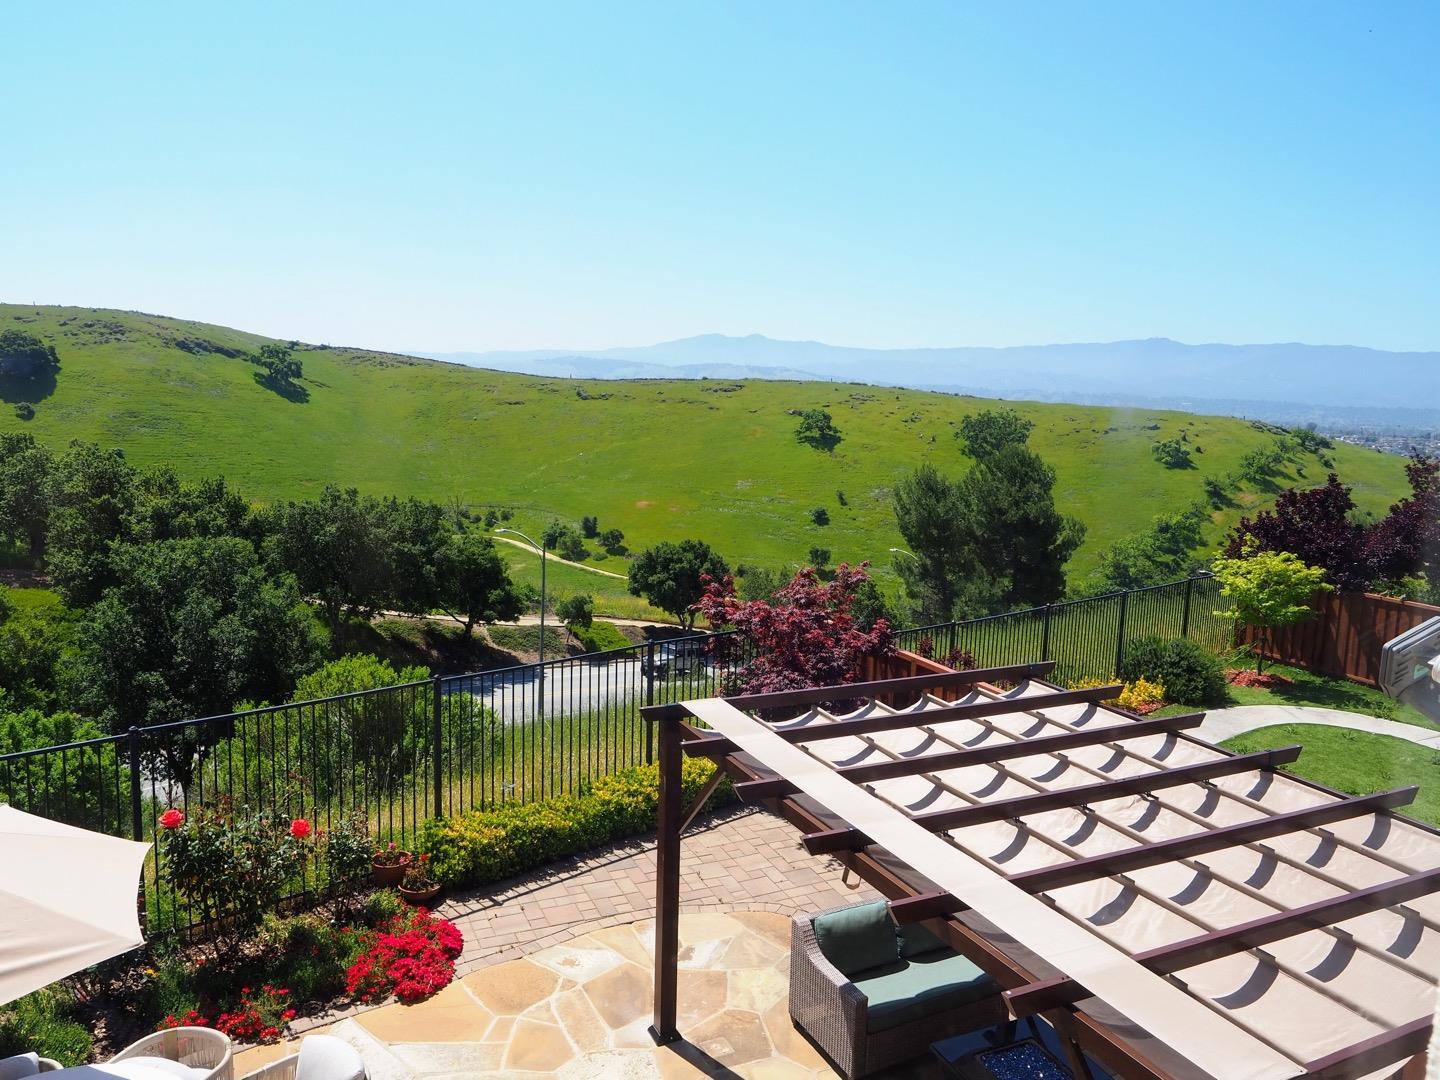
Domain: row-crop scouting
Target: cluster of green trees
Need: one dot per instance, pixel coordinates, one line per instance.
(569, 542)
(990, 540)
(182, 600)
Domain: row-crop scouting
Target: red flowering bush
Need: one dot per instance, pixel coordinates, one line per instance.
(256, 1018)
(803, 636)
(412, 956)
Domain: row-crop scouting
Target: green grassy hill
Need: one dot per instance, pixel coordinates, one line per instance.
(658, 459)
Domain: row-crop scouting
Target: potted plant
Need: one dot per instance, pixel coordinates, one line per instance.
(387, 868)
(418, 887)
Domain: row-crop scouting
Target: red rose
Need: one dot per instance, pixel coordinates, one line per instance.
(300, 828)
(172, 819)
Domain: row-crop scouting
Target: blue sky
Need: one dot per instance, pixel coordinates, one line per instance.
(437, 177)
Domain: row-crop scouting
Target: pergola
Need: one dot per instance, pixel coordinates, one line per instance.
(1173, 909)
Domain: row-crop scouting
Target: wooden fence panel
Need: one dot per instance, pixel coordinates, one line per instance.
(1346, 636)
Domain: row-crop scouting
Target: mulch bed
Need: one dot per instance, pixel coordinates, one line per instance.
(1262, 680)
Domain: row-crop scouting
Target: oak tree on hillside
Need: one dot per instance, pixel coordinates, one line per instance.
(669, 576)
(985, 433)
(817, 428)
(25, 356)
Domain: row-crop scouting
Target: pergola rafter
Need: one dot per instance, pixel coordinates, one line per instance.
(834, 775)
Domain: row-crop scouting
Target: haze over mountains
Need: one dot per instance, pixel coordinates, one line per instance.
(1287, 382)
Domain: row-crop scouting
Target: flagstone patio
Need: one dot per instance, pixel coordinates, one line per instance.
(580, 1010)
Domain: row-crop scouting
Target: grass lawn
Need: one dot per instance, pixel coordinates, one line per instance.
(1354, 762)
(659, 459)
(1310, 689)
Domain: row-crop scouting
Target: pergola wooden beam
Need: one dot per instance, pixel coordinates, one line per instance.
(848, 691)
(718, 746)
(1208, 840)
(920, 764)
(830, 841)
(1046, 994)
(1370, 1055)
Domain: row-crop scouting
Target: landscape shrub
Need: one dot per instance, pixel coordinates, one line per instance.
(42, 1023)
(232, 864)
(1142, 696)
(346, 852)
(1190, 674)
(489, 845)
(600, 637)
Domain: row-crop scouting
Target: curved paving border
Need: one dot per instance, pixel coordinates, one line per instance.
(1227, 723)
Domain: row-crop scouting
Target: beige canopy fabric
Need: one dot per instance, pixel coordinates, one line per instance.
(67, 900)
(1260, 1012)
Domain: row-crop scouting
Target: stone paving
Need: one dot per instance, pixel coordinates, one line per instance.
(555, 979)
(746, 859)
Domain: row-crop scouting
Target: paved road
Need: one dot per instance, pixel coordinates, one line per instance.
(1227, 723)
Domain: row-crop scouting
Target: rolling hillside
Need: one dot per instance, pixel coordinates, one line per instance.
(660, 459)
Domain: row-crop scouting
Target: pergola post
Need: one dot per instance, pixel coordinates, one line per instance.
(667, 882)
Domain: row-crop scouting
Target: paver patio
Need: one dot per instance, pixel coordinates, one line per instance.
(747, 859)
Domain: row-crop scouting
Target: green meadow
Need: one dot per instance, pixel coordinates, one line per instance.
(660, 459)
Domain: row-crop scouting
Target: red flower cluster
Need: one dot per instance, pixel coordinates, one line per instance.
(412, 957)
(258, 1018)
(172, 819)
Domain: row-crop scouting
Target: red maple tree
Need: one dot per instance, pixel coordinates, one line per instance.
(805, 635)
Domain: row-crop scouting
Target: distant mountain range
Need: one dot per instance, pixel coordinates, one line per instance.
(1288, 382)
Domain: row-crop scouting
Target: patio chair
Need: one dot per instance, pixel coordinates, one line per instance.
(23, 1065)
(321, 1057)
(871, 994)
(205, 1054)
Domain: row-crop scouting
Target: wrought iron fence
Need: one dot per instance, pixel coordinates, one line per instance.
(1085, 638)
(402, 754)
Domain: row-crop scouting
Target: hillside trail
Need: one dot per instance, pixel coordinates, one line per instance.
(556, 558)
(525, 620)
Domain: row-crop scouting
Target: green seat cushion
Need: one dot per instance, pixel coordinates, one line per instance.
(857, 938)
(921, 986)
(915, 939)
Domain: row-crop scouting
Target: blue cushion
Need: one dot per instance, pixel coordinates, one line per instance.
(925, 984)
(857, 938)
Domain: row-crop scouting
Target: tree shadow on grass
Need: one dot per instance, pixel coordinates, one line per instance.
(290, 391)
(14, 389)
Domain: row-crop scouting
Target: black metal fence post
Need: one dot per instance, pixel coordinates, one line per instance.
(1045, 635)
(436, 739)
(649, 663)
(137, 828)
(1120, 633)
(1185, 616)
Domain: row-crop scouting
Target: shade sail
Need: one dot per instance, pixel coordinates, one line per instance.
(67, 900)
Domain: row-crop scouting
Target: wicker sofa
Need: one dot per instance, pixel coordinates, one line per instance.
(872, 994)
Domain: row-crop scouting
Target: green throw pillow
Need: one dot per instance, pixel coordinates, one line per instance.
(858, 938)
(915, 939)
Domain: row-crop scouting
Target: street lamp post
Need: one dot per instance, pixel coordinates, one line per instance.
(540, 689)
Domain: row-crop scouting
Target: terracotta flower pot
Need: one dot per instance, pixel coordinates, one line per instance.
(419, 897)
(387, 877)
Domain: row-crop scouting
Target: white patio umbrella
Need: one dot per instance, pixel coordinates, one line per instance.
(67, 900)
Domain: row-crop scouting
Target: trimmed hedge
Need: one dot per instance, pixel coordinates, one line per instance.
(490, 845)
(1190, 675)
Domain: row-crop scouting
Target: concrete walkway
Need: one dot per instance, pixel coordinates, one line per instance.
(1227, 723)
